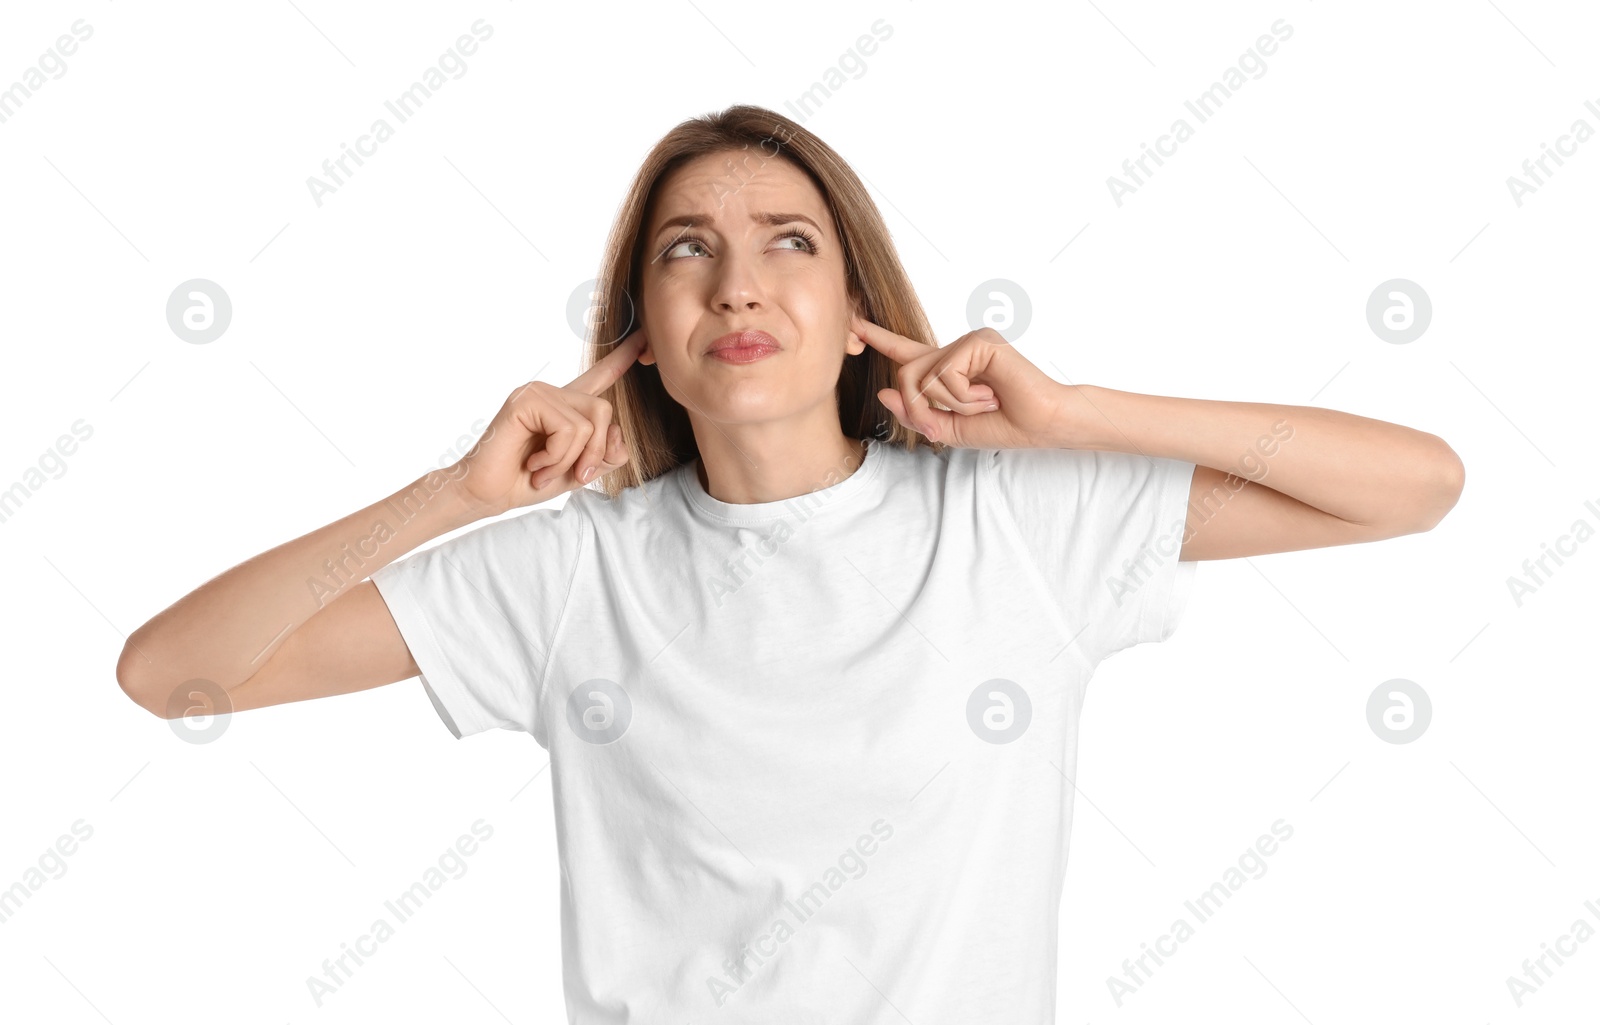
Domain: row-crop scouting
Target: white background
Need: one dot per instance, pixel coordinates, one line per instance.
(369, 334)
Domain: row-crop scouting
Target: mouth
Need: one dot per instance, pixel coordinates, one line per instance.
(743, 346)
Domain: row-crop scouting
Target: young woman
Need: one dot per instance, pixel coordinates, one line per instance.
(808, 662)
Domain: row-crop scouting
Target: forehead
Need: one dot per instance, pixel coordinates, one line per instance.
(722, 192)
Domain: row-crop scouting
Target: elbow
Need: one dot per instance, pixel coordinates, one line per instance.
(134, 677)
(1447, 477)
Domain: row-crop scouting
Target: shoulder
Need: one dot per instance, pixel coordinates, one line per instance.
(601, 512)
(1060, 466)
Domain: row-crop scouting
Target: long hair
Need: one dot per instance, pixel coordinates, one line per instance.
(656, 428)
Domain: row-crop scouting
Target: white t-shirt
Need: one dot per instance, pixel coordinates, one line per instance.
(809, 758)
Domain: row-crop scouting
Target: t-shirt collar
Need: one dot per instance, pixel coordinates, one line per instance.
(826, 497)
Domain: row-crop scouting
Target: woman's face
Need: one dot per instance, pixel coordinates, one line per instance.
(761, 254)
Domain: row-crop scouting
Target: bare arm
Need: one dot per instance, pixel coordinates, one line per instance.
(302, 612)
(1306, 477)
(302, 621)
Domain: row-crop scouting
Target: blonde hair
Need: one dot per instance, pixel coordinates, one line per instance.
(657, 429)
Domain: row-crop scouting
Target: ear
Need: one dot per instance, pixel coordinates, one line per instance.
(646, 356)
(853, 345)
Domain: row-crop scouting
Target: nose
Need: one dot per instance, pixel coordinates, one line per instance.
(739, 285)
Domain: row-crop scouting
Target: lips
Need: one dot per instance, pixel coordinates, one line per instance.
(743, 347)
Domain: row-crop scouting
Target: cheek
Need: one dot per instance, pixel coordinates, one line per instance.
(669, 316)
(818, 307)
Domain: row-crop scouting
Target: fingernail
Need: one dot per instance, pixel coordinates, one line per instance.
(991, 407)
(587, 473)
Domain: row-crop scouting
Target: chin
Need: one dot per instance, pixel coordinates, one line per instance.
(750, 404)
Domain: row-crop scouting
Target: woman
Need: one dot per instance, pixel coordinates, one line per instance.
(809, 663)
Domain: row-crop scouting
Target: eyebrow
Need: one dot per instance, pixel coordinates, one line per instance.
(773, 219)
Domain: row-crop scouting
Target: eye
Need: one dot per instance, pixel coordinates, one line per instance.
(675, 243)
(807, 240)
(808, 243)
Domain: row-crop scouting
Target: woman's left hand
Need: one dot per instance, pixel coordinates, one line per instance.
(996, 397)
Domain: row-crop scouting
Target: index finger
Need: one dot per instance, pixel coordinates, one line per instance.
(897, 347)
(609, 368)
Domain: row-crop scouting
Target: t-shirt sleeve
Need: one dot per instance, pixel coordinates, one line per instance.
(1104, 529)
(480, 612)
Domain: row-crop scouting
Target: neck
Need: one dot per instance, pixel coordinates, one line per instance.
(756, 467)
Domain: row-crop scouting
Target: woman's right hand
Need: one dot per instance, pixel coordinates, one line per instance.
(546, 441)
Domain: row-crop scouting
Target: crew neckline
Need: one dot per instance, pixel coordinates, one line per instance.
(808, 504)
